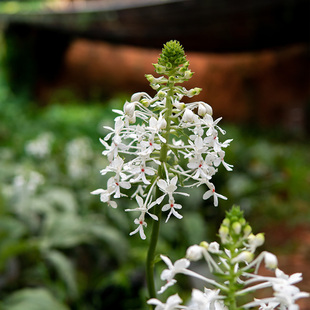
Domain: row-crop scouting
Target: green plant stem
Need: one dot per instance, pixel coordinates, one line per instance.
(150, 260)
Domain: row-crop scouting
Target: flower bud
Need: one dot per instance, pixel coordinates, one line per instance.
(179, 105)
(194, 252)
(189, 116)
(188, 74)
(223, 232)
(214, 247)
(129, 108)
(204, 108)
(145, 102)
(168, 65)
(247, 230)
(204, 244)
(271, 261)
(226, 222)
(244, 256)
(193, 92)
(236, 228)
(161, 94)
(159, 68)
(256, 241)
(150, 78)
(162, 123)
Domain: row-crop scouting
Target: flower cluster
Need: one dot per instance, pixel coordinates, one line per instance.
(236, 268)
(159, 143)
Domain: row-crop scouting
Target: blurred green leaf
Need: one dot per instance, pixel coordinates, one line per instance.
(32, 299)
(65, 270)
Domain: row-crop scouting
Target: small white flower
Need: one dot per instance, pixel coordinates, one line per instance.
(211, 192)
(172, 206)
(209, 300)
(140, 222)
(171, 304)
(141, 172)
(180, 266)
(143, 208)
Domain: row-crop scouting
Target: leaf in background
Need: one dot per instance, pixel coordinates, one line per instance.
(63, 230)
(111, 236)
(32, 299)
(61, 198)
(65, 270)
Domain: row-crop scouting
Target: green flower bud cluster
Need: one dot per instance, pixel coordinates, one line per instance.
(234, 230)
(172, 54)
(172, 62)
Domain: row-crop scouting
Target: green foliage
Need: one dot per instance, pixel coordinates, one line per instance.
(34, 299)
(271, 176)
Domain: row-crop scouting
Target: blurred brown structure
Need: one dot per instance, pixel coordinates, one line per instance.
(250, 57)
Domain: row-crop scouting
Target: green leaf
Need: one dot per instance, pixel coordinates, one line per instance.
(65, 270)
(33, 299)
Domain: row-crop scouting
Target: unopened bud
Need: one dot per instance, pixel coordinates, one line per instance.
(236, 228)
(271, 261)
(226, 222)
(214, 247)
(204, 108)
(145, 102)
(204, 244)
(129, 108)
(256, 241)
(194, 252)
(247, 230)
(162, 123)
(159, 68)
(161, 94)
(223, 232)
(189, 116)
(188, 74)
(179, 105)
(244, 256)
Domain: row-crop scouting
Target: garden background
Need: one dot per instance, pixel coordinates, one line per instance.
(59, 246)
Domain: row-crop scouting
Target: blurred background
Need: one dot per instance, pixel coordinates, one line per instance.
(64, 65)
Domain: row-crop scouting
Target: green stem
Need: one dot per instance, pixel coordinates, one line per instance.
(150, 259)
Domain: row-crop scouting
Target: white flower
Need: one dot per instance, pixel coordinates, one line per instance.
(209, 300)
(180, 266)
(141, 171)
(104, 194)
(220, 159)
(211, 192)
(270, 306)
(143, 208)
(172, 206)
(140, 222)
(172, 303)
(168, 187)
(115, 185)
